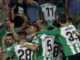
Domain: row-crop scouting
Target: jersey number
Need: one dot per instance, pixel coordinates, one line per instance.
(27, 53)
(49, 45)
(50, 11)
(56, 51)
(71, 37)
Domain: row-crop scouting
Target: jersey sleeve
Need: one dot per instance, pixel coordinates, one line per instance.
(10, 50)
(37, 41)
(49, 32)
(57, 39)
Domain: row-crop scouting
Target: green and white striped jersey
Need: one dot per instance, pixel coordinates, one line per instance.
(45, 50)
(67, 38)
(49, 11)
(21, 52)
(57, 54)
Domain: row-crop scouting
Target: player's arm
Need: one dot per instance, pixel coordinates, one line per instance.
(32, 47)
(66, 8)
(49, 32)
(3, 44)
(25, 20)
(16, 36)
(35, 46)
(30, 2)
(12, 12)
(35, 57)
(77, 33)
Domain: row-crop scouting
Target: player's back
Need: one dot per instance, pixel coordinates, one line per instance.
(57, 54)
(69, 40)
(48, 11)
(46, 47)
(23, 53)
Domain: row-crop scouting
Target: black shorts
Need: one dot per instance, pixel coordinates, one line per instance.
(74, 57)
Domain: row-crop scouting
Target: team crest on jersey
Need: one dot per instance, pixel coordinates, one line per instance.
(35, 40)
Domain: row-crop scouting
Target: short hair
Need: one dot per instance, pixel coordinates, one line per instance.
(70, 19)
(22, 33)
(44, 23)
(10, 34)
(28, 24)
(36, 26)
(62, 18)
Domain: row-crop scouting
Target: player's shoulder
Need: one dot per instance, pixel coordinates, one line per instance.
(36, 39)
(68, 26)
(47, 4)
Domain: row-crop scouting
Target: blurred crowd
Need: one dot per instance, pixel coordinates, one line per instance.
(20, 11)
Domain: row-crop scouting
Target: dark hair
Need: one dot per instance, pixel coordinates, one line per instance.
(36, 26)
(62, 18)
(10, 34)
(22, 33)
(24, 2)
(44, 23)
(28, 24)
(70, 19)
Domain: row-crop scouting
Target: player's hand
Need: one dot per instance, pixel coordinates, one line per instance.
(76, 33)
(33, 35)
(22, 42)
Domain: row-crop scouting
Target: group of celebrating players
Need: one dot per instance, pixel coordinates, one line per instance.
(43, 43)
(42, 40)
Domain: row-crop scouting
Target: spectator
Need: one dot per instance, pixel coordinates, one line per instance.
(0, 3)
(72, 6)
(12, 2)
(48, 12)
(19, 12)
(60, 5)
(33, 11)
(4, 9)
(77, 18)
(40, 2)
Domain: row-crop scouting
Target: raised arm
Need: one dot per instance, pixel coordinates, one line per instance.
(49, 32)
(3, 44)
(66, 8)
(16, 36)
